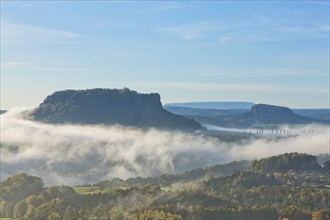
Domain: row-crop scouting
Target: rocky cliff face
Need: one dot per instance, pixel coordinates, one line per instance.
(268, 114)
(109, 106)
(264, 111)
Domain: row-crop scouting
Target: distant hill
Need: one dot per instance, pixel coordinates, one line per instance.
(317, 114)
(270, 114)
(203, 113)
(109, 106)
(213, 105)
(260, 115)
(20, 186)
(284, 162)
(198, 111)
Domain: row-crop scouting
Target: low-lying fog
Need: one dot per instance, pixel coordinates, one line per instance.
(72, 154)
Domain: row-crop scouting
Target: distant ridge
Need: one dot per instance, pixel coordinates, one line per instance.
(322, 115)
(271, 114)
(213, 105)
(109, 106)
(260, 115)
(205, 112)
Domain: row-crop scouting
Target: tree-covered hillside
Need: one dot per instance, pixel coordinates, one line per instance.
(244, 194)
(285, 162)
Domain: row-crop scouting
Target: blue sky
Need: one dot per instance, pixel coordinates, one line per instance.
(274, 52)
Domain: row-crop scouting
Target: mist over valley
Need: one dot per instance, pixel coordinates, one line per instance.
(78, 153)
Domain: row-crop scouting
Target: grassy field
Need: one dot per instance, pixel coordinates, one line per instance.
(87, 189)
(166, 189)
(92, 190)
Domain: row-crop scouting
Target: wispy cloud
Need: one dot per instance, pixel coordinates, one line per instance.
(225, 87)
(26, 67)
(190, 31)
(156, 7)
(212, 72)
(22, 33)
(317, 2)
(14, 64)
(225, 39)
(255, 28)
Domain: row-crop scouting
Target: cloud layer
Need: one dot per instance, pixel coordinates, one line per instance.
(72, 154)
(18, 33)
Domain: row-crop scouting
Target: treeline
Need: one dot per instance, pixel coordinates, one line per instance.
(188, 176)
(248, 194)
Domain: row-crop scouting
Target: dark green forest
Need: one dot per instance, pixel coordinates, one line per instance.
(288, 186)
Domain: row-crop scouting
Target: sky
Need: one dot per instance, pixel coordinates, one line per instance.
(274, 52)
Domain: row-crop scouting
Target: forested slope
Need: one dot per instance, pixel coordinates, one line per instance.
(245, 194)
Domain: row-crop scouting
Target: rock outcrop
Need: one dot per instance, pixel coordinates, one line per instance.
(109, 106)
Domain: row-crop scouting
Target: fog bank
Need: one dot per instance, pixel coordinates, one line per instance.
(74, 154)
